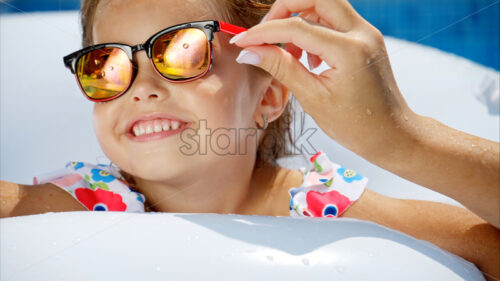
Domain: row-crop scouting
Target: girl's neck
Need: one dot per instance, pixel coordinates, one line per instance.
(264, 192)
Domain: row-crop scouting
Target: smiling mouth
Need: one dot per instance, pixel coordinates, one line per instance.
(155, 126)
(146, 130)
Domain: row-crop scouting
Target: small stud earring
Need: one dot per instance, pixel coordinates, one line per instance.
(266, 122)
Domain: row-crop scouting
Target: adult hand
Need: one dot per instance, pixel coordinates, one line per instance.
(356, 102)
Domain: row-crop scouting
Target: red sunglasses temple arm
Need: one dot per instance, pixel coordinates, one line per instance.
(230, 28)
(234, 30)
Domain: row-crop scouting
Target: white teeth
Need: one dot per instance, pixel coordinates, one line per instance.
(175, 125)
(166, 127)
(156, 127)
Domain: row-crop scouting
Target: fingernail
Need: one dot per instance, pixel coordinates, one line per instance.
(248, 57)
(264, 18)
(237, 37)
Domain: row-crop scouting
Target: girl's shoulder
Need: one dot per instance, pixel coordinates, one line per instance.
(98, 187)
(327, 189)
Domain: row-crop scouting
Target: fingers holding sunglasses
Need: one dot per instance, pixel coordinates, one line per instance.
(285, 68)
(314, 38)
(336, 14)
(327, 44)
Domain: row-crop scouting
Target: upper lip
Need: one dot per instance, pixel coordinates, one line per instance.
(151, 116)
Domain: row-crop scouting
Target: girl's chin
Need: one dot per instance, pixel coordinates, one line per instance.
(163, 168)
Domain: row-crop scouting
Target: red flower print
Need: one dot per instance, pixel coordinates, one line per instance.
(328, 204)
(100, 199)
(314, 156)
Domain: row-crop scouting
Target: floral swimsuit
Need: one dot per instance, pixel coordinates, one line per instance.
(328, 189)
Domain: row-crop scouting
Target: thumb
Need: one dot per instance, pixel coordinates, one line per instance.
(284, 67)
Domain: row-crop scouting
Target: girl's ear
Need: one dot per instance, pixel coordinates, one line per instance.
(273, 102)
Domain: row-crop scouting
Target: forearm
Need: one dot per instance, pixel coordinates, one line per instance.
(451, 162)
(458, 231)
(22, 200)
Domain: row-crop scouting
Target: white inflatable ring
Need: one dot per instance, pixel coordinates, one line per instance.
(174, 246)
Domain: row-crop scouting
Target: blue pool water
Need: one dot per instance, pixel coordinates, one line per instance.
(468, 28)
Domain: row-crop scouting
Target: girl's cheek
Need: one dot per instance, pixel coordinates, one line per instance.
(99, 120)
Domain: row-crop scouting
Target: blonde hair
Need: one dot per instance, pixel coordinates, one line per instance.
(277, 139)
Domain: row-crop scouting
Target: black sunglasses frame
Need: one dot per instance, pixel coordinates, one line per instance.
(208, 27)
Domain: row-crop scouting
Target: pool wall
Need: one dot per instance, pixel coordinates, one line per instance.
(468, 28)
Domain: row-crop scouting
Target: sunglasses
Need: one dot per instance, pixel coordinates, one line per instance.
(179, 53)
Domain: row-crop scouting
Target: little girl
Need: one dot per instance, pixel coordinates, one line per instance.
(192, 125)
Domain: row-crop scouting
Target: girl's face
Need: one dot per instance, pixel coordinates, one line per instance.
(226, 97)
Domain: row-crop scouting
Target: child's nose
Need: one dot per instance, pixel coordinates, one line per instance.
(147, 85)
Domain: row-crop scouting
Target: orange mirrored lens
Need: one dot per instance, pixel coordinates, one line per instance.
(182, 53)
(104, 73)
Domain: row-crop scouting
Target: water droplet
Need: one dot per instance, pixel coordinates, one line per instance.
(340, 269)
(372, 255)
(270, 258)
(158, 268)
(185, 45)
(405, 117)
(368, 111)
(305, 261)
(473, 145)
(368, 61)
